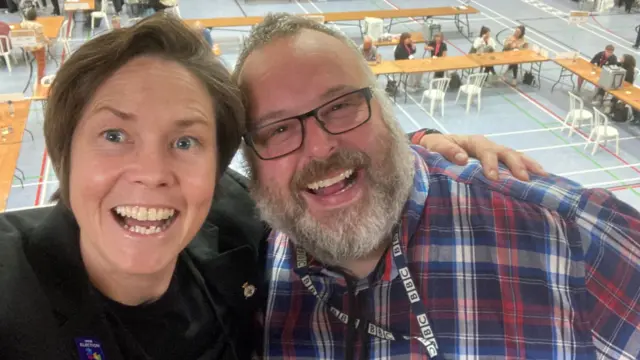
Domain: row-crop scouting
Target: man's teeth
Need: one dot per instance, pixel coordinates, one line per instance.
(328, 182)
(144, 213)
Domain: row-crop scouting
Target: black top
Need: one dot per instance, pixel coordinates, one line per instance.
(401, 52)
(599, 60)
(47, 302)
(440, 50)
(179, 325)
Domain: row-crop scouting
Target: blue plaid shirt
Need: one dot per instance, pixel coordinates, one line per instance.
(506, 270)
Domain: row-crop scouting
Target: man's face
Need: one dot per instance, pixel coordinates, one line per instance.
(337, 196)
(367, 44)
(608, 52)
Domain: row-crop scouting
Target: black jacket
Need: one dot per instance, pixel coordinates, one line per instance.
(46, 300)
(611, 60)
(401, 52)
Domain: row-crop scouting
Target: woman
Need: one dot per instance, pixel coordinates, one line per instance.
(438, 48)
(39, 50)
(515, 42)
(485, 44)
(141, 125)
(405, 51)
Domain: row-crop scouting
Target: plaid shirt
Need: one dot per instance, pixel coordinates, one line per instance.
(506, 270)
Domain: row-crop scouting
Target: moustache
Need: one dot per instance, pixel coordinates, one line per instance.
(339, 160)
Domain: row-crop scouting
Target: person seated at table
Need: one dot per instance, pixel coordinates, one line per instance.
(627, 62)
(485, 44)
(369, 51)
(39, 50)
(5, 29)
(515, 42)
(438, 48)
(405, 51)
(603, 58)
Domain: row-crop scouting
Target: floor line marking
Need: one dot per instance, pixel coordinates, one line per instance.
(579, 172)
(550, 147)
(554, 14)
(601, 184)
(509, 133)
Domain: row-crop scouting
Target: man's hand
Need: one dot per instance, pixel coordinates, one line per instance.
(458, 149)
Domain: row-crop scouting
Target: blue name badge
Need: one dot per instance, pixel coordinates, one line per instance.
(89, 349)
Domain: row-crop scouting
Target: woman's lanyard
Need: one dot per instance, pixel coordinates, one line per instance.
(427, 339)
(437, 49)
(408, 48)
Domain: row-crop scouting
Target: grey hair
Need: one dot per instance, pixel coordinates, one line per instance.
(284, 25)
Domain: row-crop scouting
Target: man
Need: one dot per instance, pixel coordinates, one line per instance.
(387, 251)
(369, 51)
(602, 58)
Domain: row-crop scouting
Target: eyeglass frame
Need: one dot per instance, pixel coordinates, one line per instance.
(368, 95)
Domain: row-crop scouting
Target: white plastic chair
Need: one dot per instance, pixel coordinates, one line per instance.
(577, 114)
(102, 14)
(436, 92)
(473, 87)
(64, 38)
(5, 50)
(602, 131)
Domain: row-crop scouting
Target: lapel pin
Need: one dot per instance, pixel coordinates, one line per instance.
(249, 290)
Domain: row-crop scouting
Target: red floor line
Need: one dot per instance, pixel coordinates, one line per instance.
(41, 179)
(602, 27)
(623, 187)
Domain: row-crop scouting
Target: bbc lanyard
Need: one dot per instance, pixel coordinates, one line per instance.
(427, 339)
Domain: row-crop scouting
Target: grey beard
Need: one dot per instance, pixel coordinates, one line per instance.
(354, 232)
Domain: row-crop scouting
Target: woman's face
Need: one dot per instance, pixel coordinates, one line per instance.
(517, 33)
(407, 41)
(143, 165)
(438, 38)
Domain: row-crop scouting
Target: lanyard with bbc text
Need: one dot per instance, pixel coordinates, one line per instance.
(417, 307)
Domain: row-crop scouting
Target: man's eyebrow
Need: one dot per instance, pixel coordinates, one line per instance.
(326, 96)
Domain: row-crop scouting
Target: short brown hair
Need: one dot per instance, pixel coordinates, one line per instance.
(87, 69)
(610, 47)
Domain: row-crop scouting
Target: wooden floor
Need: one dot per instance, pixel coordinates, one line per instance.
(11, 133)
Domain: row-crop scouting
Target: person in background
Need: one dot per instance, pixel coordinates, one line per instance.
(56, 5)
(370, 51)
(603, 58)
(627, 62)
(405, 50)
(628, 4)
(515, 42)
(485, 44)
(38, 51)
(438, 48)
(636, 45)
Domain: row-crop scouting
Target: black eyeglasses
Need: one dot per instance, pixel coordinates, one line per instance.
(338, 116)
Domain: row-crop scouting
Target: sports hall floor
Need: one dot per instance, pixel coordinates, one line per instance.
(525, 118)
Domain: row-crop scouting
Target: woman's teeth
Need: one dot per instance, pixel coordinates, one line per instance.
(133, 216)
(142, 213)
(146, 230)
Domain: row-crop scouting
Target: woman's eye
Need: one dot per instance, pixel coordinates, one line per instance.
(115, 136)
(185, 143)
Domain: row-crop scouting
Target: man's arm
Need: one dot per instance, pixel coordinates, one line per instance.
(596, 58)
(609, 232)
(458, 149)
